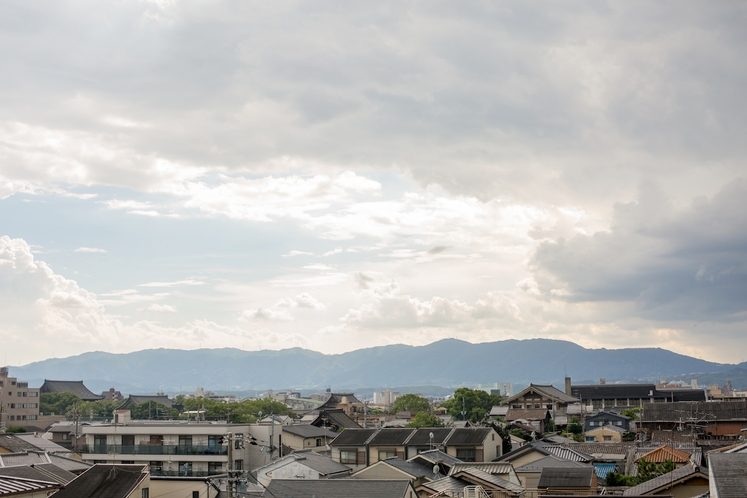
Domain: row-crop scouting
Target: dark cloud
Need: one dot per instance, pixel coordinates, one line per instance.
(674, 264)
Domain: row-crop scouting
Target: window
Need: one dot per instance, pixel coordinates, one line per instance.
(156, 440)
(215, 467)
(592, 423)
(618, 422)
(387, 453)
(589, 439)
(33, 405)
(99, 443)
(12, 417)
(185, 468)
(349, 456)
(24, 394)
(318, 442)
(195, 494)
(128, 462)
(549, 407)
(12, 405)
(238, 464)
(214, 440)
(128, 440)
(19, 394)
(146, 493)
(607, 438)
(185, 440)
(33, 394)
(155, 467)
(23, 417)
(466, 454)
(32, 417)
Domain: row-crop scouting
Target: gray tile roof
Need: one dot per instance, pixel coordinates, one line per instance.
(493, 468)
(69, 386)
(549, 461)
(15, 444)
(339, 488)
(469, 436)
(567, 453)
(414, 469)
(615, 391)
(445, 484)
(435, 456)
(727, 474)
(43, 444)
(527, 414)
(553, 392)
(336, 418)
(310, 431)
(473, 474)
(27, 472)
(662, 481)
(708, 412)
(422, 436)
(353, 437)
(58, 473)
(105, 481)
(17, 485)
(322, 464)
(74, 466)
(558, 477)
(144, 398)
(391, 437)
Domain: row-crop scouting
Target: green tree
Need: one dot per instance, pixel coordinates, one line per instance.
(505, 437)
(631, 413)
(152, 411)
(97, 409)
(614, 478)
(424, 419)
(244, 412)
(410, 403)
(475, 404)
(521, 433)
(12, 429)
(574, 426)
(649, 470)
(57, 403)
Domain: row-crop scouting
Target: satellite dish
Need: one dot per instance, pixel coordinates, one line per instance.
(436, 469)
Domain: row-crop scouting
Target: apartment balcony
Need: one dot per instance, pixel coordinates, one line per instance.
(185, 473)
(148, 449)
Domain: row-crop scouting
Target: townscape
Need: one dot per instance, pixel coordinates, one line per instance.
(665, 439)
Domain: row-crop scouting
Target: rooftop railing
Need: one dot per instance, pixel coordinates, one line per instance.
(154, 449)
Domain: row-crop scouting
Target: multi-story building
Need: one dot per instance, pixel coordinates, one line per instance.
(19, 404)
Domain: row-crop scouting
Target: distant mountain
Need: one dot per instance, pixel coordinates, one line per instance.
(449, 362)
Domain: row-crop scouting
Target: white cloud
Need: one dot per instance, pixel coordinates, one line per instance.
(90, 250)
(178, 283)
(160, 308)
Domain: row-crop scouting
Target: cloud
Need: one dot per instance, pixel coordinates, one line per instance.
(178, 283)
(160, 308)
(671, 263)
(90, 250)
(279, 312)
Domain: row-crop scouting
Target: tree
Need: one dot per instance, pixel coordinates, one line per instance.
(424, 419)
(152, 411)
(475, 404)
(57, 403)
(521, 433)
(574, 426)
(505, 437)
(410, 403)
(12, 429)
(649, 470)
(631, 413)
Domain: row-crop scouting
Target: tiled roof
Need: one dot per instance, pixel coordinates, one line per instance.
(335, 417)
(664, 453)
(353, 437)
(18, 485)
(57, 473)
(595, 449)
(69, 386)
(27, 472)
(494, 468)
(548, 461)
(727, 474)
(553, 392)
(414, 469)
(105, 481)
(468, 436)
(74, 466)
(15, 444)
(144, 398)
(664, 480)
(310, 431)
(43, 444)
(568, 453)
(473, 474)
(25, 458)
(527, 414)
(554, 477)
(445, 484)
(322, 464)
(339, 488)
(422, 436)
(436, 456)
(391, 437)
(715, 411)
(614, 391)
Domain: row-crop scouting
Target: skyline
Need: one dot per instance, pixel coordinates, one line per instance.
(191, 174)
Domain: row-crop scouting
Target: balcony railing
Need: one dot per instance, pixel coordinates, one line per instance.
(154, 449)
(185, 473)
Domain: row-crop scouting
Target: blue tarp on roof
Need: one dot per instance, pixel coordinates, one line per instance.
(603, 468)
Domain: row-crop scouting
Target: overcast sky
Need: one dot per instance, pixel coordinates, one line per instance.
(339, 175)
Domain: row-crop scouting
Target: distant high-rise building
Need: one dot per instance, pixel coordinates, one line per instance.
(505, 389)
(19, 404)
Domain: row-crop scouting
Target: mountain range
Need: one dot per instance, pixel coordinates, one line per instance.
(448, 362)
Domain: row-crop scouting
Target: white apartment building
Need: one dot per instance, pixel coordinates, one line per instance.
(19, 404)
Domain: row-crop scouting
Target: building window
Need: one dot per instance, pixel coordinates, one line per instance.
(592, 423)
(387, 453)
(185, 468)
(349, 456)
(185, 440)
(155, 467)
(12, 417)
(128, 440)
(33, 394)
(589, 439)
(618, 422)
(128, 462)
(66, 436)
(33, 405)
(146, 493)
(466, 454)
(32, 417)
(607, 438)
(318, 442)
(19, 394)
(24, 394)
(195, 494)
(214, 440)
(238, 464)
(215, 467)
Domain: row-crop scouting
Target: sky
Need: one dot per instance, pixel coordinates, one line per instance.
(341, 175)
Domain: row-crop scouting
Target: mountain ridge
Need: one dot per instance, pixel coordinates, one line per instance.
(448, 362)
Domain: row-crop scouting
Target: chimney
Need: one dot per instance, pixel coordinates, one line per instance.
(603, 380)
(568, 386)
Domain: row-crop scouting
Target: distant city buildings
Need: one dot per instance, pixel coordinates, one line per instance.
(19, 404)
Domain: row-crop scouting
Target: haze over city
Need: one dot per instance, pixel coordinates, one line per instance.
(336, 176)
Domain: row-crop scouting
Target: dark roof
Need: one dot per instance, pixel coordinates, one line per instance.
(422, 436)
(559, 477)
(527, 414)
(549, 461)
(683, 394)
(74, 466)
(69, 386)
(445, 484)
(336, 398)
(468, 436)
(28, 472)
(684, 473)
(339, 488)
(700, 412)
(18, 485)
(412, 468)
(614, 391)
(391, 437)
(15, 444)
(57, 473)
(435, 456)
(566, 453)
(105, 481)
(475, 475)
(607, 415)
(322, 464)
(522, 450)
(144, 398)
(727, 475)
(309, 431)
(548, 390)
(336, 418)
(353, 437)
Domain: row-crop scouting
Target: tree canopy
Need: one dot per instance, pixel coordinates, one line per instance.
(424, 419)
(475, 404)
(57, 403)
(246, 411)
(410, 403)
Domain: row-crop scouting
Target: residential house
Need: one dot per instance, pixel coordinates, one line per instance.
(426, 439)
(307, 437)
(67, 434)
(606, 418)
(478, 444)
(42, 472)
(687, 481)
(19, 404)
(537, 450)
(396, 468)
(433, 458)
(530, 473)
(663, 453)
(368, 488)
(69, 386)
(605, 434)
(577, 481)
(388, 443)
(304, 464)
(467, 482)
(37, 458)
(504, 470)
(112, 481)
(538, 396)
(726, 475)
(536, 418)
(334, 419)
(351, 447)
(19, 487)
(712, 420)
